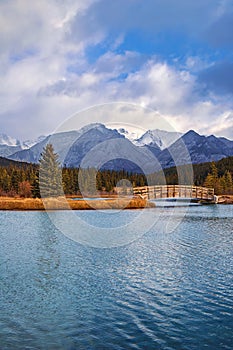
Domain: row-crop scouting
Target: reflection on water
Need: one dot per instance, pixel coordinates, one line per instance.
(175, 202)
(48, 259)
(164, 291)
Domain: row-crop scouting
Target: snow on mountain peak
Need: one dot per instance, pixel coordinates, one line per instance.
(163, 139)
(8, 140)
(29, 143)
(91, 126)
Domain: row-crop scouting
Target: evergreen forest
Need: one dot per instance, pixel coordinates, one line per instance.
(27, 180)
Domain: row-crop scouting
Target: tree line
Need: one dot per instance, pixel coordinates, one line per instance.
(28, 180)
(221, 184)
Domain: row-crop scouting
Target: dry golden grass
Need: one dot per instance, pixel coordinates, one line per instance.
(7, 203)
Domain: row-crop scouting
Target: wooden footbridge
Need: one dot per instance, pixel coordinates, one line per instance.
(195, 193)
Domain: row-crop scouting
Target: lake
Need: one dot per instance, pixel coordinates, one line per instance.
(166, 290)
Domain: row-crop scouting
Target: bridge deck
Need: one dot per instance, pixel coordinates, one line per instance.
(175, 191)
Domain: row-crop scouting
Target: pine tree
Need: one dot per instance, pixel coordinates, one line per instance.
(214, 171)
(36, 187)
(222, 182)
(209, 181)
(212, 180)
(228, 181)
(50, 173)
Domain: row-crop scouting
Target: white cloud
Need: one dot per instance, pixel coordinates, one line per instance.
(45, 76)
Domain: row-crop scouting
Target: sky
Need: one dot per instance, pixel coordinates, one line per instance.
(173, 58)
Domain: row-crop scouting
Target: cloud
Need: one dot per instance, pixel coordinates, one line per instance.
(221, 126)
(170, 91)
(50, 70)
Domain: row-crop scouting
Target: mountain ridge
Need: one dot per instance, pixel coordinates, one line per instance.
(73, 146)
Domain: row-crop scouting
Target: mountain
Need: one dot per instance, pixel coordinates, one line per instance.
(95, 144)
(6, 151)
(8, 140)
(130, 135)
(88, 139)
(108, 149)
(8, 145)
(158, 138)
(29, 143)
(61, 142)
(199, 149)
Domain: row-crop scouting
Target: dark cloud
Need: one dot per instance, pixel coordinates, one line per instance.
(218, 78)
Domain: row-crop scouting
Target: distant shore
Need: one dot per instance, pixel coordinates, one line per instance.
(8, 203)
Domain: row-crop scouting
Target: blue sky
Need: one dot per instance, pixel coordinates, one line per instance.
(61, 57)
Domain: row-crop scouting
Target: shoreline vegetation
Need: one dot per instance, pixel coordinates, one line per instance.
(62, 203)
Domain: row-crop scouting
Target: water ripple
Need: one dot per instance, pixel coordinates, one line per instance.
(164, 291)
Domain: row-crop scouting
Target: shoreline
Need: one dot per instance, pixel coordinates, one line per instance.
(61, 203)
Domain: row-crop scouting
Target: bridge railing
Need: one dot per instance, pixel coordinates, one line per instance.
(174, 191)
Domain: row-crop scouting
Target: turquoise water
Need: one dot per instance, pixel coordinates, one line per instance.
(163, 291)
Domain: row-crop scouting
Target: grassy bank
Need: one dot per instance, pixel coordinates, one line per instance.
(7, 203)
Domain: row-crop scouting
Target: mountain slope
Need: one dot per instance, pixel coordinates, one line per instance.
(6, 151)
(60, 141)
(198, 149)
(30, 143)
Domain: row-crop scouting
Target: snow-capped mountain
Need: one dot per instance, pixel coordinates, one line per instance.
(8, 145)
(8, 140)
(99, 145)
(119, 149)
(130, 135)
(161, 138)
(61, 142)
(105, 148)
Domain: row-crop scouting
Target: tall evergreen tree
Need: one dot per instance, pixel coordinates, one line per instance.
(50, 173)
(228, 181)
(36, 186)
(212, 179)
